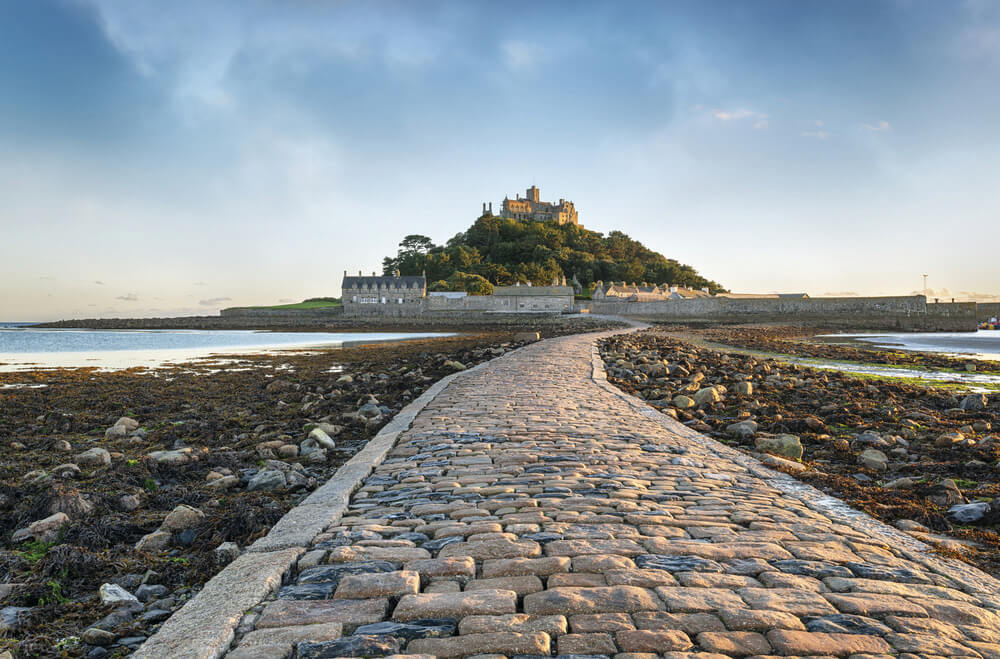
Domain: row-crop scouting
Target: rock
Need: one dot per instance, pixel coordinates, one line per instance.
(744, 388)
(95, 457)
(175, 457)
(904, 483)
(910, 525)
(873, 459)
(226, 553)
(974, 402)
(970, 367)
(182, 517)
(527, 336)
(345, 379)
(706, 396)
(99, 637)
(47, 530)
(288, 451)
(946, 493)
(785, 445)
(321, 438)
(115, 595)
(127, 423)
(454, 365)
(423, 628)
(350, 646)
(224, 483)
(128, 502)
(370, 411)
(68, 470)
(62, 445)
(72, 504)
(154, 542)
(968, 512)
(267, 479)
(683, 402)
(149, 592)
(10, 617)
(742, 428)
(947, 439)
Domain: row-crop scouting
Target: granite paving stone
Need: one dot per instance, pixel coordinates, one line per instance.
(532, 510)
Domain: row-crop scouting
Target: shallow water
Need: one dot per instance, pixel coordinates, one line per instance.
(981, 344)
(23, 348)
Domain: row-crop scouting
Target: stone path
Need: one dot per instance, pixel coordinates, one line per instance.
(532, 509)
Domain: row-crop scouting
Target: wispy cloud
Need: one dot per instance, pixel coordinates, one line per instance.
(128, 297)
(759, 119)
(199, 283)
(99, 282)
(214, 301)
(521, 55)
(878, 127)
(818, 134)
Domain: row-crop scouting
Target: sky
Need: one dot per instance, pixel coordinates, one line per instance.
(169, 158)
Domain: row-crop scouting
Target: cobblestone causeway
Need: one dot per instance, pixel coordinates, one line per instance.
(533, 510)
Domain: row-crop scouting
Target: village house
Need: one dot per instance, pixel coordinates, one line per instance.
(644, 292)
(392, 294)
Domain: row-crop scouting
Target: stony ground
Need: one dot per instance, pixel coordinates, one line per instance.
(533, 510)
(923, 458)
(203, 462)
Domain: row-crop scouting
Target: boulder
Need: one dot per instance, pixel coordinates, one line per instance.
(974, 402)
(99, 637)
(176, 457)
(115, 595)
(873, 459)
(683, 402)
(707, 395)
(950, 438)
(322, 439)
(154, 542)
(367, 411)
(94, 457)
(744, 388)
(47, 530)
(788, 446)
(742, 428)
(226, 553)
(526, 336)
(966, 513)
(68, 470)
(182, 517)
(946, 493)
(267, 479)
(455, 365)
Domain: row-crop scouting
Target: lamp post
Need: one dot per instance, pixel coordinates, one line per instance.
(925, 285)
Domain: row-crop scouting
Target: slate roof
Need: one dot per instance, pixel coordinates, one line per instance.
(384, 282)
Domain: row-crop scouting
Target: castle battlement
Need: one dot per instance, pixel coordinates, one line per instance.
(531, 208)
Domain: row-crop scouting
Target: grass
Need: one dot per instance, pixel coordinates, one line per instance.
(313, 303)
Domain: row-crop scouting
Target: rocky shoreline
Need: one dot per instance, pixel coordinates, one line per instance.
(920, 458)
(123, 492)
(810, 342)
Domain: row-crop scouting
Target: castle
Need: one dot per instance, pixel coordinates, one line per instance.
(531, 208)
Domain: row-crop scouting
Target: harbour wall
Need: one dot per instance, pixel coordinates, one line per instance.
(903, 313)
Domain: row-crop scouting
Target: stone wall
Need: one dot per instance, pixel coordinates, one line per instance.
(885, 313)
(987, 310)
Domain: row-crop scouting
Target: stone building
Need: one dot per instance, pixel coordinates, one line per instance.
(385, 295)
(532, 208)
(517, 298)
(644, 292)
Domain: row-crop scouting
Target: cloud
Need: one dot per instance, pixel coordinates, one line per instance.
(99, 282)
(980, 297)
(199, 283)
(214, 301)
(286, 300)
(47, 278)
(879, 127)
(818, 134)
(520, 55)
(840, 294)
(760, 119)
(128, 297)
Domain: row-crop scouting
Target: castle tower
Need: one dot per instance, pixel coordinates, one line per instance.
(533, 194)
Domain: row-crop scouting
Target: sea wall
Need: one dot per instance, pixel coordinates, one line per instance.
(883, 313)
(987, 310)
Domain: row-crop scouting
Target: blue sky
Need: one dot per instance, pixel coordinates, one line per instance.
(163, 158)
